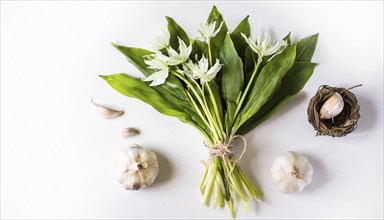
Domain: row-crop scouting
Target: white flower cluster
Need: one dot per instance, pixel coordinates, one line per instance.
(162, 63)
(263, 45)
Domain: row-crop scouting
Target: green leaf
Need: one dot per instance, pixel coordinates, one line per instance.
(266, 83)
(232, 77)
(136, 88)
(217, 41)
(293, 81)
(250, 60)
(306, 48)
(176, 31)
(238, 40)
(136, 56)
(172, 89)
(199, 48)
(216, 95)
(288, 38)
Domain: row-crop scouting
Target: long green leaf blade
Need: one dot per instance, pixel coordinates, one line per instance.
(306, 48)
(176, 31)
(266, 83)
(136, 56)
(292, 83)
(232, 77)
(217, 41)
(238, 40)
(136, 88)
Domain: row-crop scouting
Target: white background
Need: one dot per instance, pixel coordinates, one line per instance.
(57, 155)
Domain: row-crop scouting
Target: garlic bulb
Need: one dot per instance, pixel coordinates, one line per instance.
(291, 172)
(137, 167)
(332, 107)
(105, 112)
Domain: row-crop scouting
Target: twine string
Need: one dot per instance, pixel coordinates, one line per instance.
(226, 151)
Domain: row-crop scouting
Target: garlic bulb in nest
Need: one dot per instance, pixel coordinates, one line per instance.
(137, 167)
(291, 172)
(332, 107)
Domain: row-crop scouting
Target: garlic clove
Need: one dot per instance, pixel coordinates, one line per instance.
(291, 172)
(136, 167)
(332, 107)
(129, 132)
(105, 112)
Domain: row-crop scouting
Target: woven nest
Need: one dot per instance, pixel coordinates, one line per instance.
(342, 124)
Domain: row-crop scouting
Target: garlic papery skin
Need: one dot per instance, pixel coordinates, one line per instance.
(136, 167)
(291, 172)
(129, 132)
(105, 112)
(332, 107)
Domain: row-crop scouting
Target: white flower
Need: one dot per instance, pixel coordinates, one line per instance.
(178, 58)
(264, 47)
(162, 40)
(208, 30)
(158, 63)
(201, 71)
(158, 77)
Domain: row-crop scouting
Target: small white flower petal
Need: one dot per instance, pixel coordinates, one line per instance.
(203, 64)
(264, 47)
(162, 40)
(208, 30)
(217, 30)
(158, 77)
(214, 69)
(251, 43)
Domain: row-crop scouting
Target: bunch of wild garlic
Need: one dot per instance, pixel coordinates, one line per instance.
(224, 84)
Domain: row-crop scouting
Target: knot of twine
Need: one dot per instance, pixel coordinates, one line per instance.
(226, 151)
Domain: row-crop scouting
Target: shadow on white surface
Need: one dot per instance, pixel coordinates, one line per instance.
(320, 177)
(368, 114)
(165, 170)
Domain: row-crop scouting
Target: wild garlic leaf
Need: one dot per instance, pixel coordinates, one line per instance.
(294, 81)
(266, 83)
(238, 40)
(136, 88)
(250, 62)
(288, 38)
(306, 48)
(199, 49)
(176, 32)
(232, 78)
(136, 56)
(217, 41)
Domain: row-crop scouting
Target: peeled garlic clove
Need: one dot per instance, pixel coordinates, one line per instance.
(105, 112)
(291, 172)
(137, 167)
(332, 107)
(129, 132)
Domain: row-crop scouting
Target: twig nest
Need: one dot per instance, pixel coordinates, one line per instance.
(333, 111)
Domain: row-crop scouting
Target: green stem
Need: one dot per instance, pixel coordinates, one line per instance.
(213, 126)
(207, 195)
(244, 95)
(218, 118)
(209, 52)
(200, 114)
(210, 116)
